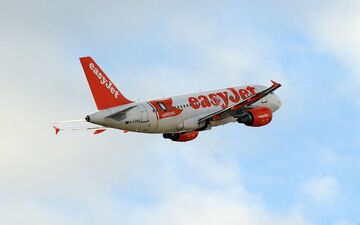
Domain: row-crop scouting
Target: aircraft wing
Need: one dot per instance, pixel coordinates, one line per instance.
(241, 105)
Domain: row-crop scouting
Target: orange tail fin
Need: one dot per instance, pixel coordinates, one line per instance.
(105, 93)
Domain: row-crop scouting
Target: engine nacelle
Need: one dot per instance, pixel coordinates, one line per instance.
(182, 137)
(256, 117)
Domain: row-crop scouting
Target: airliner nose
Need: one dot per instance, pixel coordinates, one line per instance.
(278, 102)
(275, 102)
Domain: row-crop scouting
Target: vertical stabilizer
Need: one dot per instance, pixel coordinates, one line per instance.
(105, 93)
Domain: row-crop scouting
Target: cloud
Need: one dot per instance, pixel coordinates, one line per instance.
(343, 222)
(333, 27)
(322, 189)
(336, 29)
(214, 207)
(31, 214)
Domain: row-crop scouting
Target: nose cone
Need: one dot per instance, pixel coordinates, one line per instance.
(277, 102)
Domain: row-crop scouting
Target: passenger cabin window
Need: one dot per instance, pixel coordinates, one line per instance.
(162, 106)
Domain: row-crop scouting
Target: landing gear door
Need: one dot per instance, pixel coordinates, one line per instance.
(144, 114)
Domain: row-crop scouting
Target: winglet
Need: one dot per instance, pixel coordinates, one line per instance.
(56, 130)
(275, 84)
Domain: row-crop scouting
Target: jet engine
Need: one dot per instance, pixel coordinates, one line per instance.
(182, 137)
(256, 117)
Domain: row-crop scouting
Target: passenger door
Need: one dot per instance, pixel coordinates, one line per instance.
(144, 114)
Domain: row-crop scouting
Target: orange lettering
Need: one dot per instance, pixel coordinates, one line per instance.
(244, 93)
(204, 101)
(224, 97)
(214, 99)
(251, 89)
(194, 103)
(236, 97)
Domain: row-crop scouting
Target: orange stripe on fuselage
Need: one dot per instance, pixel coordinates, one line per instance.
(165, 109)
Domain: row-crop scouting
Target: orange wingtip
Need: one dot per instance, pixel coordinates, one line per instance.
(56, 129)
(125, 131)
(98, 131)
(276, 84)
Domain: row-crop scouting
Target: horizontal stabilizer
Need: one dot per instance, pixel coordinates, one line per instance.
(75, 125)
(56, 129)
(99, 131)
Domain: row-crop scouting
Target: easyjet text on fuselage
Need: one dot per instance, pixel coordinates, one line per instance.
(223, 97)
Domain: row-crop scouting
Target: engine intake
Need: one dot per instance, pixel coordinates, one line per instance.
(256, 117)
(182, 137)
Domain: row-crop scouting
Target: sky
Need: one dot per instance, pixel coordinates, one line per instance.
(301, 169)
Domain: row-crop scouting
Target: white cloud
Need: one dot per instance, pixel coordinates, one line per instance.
(334, 28)
(343, 222)
(322, 189)
(214, 207)
(236, 56)
(32, 214)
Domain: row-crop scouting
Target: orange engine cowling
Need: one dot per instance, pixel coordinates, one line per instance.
(182, 137)
(256, 117)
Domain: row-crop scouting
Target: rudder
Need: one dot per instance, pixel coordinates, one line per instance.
(105, 93)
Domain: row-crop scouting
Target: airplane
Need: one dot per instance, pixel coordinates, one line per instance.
(178, 118)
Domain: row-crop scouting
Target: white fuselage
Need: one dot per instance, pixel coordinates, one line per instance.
(179, 113)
